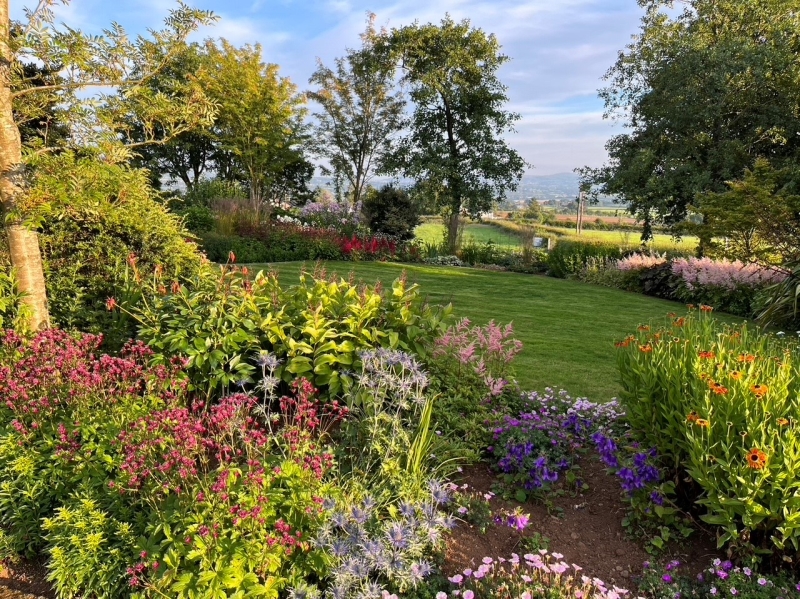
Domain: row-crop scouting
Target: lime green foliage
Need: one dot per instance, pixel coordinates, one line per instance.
(567, 328)
(93, 216)
(89, 549)
(219, 322)
(719, 403)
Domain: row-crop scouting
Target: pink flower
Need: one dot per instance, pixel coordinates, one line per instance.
(469, 595)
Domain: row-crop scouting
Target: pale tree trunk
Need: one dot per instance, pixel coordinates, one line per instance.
(23, 243)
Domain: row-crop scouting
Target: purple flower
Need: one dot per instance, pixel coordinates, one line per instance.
(762, 582)
(469, 595)
(727, 565)
(667, 578)
(722, 574)
(456, 579)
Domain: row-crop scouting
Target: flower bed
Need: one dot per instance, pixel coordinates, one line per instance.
(718, 403)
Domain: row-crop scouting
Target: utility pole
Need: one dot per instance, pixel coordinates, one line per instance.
(579, 219)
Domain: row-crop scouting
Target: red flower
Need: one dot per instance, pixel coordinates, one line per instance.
(111, 304)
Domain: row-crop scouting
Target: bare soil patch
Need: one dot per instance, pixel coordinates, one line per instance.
(586, 528)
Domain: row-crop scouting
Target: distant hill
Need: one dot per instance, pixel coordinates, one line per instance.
(561, 186)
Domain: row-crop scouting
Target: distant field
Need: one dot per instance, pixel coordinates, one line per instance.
(503, 233)
(659, 242)
(611, 220)
(477, 233)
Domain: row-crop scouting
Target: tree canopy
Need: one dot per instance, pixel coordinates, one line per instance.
(703, 93)
(361, 110)
(454, 138)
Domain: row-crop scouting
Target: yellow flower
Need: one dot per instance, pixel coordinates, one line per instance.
(702, 423)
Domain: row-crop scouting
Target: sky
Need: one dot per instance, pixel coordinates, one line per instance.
(559, 51)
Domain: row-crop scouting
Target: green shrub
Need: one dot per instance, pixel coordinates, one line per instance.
(220, 323)
(719, 404)
(12, 312)
(569, 257)
(391, 211)
(197, 219)
(93, 215)
(247, 251)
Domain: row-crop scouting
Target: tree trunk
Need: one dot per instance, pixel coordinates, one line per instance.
(452, 232)
(23, 244)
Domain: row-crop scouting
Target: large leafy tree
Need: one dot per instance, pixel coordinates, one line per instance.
(259, 130)
(454, 139)
(185, 157)
(703, 92)
(82, 61)
(361, 110)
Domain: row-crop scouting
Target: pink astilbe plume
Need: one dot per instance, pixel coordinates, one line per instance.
(724, 273)
(640, 261)
(487, 351)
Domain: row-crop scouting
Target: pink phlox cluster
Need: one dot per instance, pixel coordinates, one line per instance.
(724, 273)
(639, 261)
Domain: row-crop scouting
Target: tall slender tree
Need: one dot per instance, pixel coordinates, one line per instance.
(260, 123)
(455, 137)
(361, 110)
(112, 59)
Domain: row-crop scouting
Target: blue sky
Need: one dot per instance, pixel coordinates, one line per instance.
(559, 49)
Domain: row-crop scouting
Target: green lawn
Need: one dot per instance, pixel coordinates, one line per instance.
(475, 232)
(568, 328)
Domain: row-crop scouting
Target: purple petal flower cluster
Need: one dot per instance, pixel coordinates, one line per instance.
(533, 448)
(635, 472)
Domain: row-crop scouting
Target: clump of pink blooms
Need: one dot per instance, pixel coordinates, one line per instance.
(639, 261)
(49, 375)
(487, 350)
(525, 576)
(724, 273)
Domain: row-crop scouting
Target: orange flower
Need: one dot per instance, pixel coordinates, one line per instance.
(719, 389)
(646, 349)
(707, 355)
(175, 287)
(624, 343)
(679, 322)
(736, 375)
(690, 307)
(759, 390)
(671, 315)
(692, 417)
(644, 327)
(231, 257)
(702, 423)
(748, 358)
(782, 422)
(704, 308)
(756, 459)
